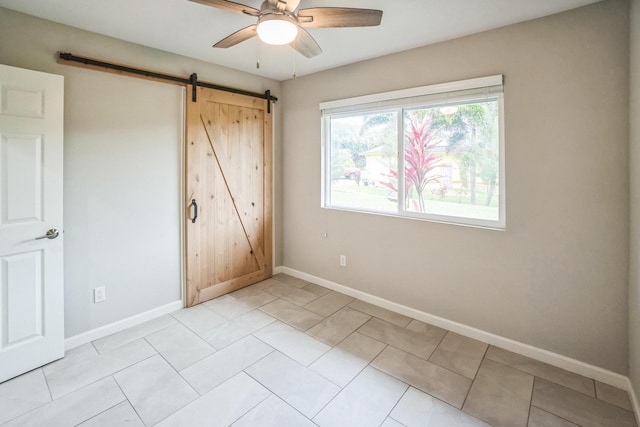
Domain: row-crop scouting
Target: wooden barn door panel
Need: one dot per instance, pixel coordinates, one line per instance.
(229, 176)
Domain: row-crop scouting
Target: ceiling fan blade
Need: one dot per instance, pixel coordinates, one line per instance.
(237, 37)
(333, 17)
(229, 6)
(305, 44)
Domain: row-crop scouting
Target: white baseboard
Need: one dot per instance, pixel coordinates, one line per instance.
(120, 325)
(554, 359)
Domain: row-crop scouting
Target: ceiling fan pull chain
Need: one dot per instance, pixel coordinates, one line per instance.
(294, 59)
(258, 54)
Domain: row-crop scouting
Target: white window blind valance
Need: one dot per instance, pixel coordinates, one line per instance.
(451, 93)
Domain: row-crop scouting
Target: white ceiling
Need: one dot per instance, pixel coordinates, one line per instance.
(190, 29)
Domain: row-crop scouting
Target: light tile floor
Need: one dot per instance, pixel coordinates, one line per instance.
(285, 352)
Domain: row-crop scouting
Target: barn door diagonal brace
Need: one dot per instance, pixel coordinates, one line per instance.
(255, 249)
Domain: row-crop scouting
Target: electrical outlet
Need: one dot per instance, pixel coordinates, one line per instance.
(99, 294)
(343, 260)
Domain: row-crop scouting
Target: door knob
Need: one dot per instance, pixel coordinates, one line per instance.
(51, 234)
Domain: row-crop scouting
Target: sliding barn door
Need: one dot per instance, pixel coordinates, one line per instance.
(228, 190)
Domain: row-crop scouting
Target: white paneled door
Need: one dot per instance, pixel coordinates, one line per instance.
(31, 249)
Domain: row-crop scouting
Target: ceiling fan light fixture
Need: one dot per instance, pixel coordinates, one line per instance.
(277, 29)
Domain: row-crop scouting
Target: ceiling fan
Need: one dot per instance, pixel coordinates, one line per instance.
(280, 23)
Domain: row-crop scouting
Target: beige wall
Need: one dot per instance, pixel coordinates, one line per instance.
(557, 278)
(634, 156)
(122, 166)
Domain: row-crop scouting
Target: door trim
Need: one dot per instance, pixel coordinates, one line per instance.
(181, 196)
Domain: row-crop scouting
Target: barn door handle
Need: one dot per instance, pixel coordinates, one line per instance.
(51, 234)
(195, 211)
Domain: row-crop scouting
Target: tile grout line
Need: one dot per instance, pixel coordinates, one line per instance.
(338, 343)
(216, 349)
(250, 409)
(126, 399)
(396, 404)
(106, 376)
(575, 391)
(267, 388)
(429, 394)
(287, 284)
(428, 361)
(211, 329)
(553, 381)
(436, 349)
(533, 385)
(277, 397)
(70, 393)
(473, 380)
(46, 381)
(102, 412)
(198, 336)
(369, 314)
(551, 413)
(360, 371)
(263, 357)
(326, 379)
(326, 295)
(423, 391)
(402, 424)
(202, 394)
(287, 323)
(37, 407)
(258, 307)
(341, 390)
(113, 375)
(142, 337)
(135, 363)
(187, 326)
(173, 368)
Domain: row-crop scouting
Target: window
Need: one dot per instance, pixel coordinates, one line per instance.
(433, 153)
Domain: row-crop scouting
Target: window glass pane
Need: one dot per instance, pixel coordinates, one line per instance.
(431, 153)
(451, 160)
(363, 160)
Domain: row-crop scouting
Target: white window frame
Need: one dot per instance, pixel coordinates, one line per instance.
(490, 87)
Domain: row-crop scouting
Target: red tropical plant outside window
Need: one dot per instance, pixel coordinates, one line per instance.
(420, 159)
